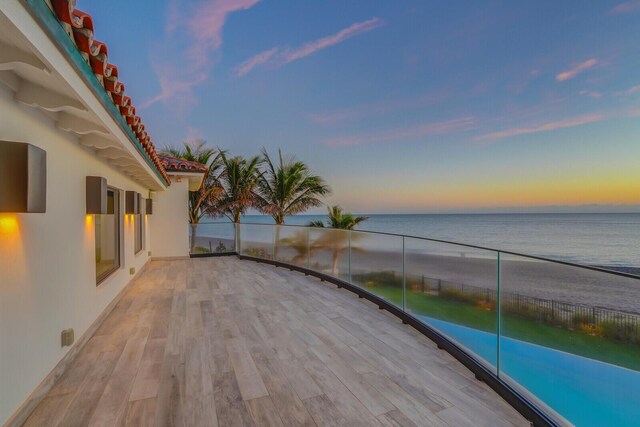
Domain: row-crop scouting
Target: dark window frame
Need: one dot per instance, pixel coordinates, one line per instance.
(117, 194)
(138, 230)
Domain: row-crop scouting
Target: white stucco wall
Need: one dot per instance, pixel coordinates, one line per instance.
(47, 264)
(169, 223)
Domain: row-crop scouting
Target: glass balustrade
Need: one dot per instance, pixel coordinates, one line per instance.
(563, 336)
(212, 238)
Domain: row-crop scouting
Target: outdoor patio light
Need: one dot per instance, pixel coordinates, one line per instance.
(23, 178)
(148, 208)
(97, 195)
(132, 203)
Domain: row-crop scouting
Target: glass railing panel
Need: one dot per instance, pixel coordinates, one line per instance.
(453, 289)
(257, 240)
(211, 238)
(376, 264)
(570, 340)
(292, 245)
(329, 252)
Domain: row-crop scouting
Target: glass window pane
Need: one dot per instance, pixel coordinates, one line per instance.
(107, 237)
(376, 264)
(570, 340)
(453, 289)
(292, 245)
(329, 251)
(213, 237)
(139, 232)
(257, 240)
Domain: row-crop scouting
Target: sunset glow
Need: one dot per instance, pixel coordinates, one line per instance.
(411, 107)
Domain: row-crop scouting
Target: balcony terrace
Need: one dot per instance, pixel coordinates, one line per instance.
(220, 341)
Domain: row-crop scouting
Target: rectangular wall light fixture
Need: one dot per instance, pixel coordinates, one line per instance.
(23, 178)
(132, 202)
(97, 195)
(148, 208)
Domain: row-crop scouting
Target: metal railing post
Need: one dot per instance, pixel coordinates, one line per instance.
(404, 276)
(309, 248)
(236, 232)
(273, 247)
(499, 311)
(349, 251)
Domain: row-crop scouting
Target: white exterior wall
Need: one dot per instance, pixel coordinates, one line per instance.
(169, 223)
(47, 262)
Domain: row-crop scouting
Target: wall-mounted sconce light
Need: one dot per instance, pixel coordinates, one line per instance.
(97, 195)
(23, 178)
(148, 208)
(132, 202)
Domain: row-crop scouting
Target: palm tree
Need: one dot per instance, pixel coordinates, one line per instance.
(239, 180)
(336, 240)
(288, 188)
(203, 201)
(338, 218)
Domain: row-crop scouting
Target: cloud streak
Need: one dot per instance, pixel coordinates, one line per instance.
(342, 35)
(627, 7)
(420, 131)
(254, 61)
(196, 40)
(630, 91)
(543, 127)
(571, 73)
(287, 55)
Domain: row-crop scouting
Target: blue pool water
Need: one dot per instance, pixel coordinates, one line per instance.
(586, 392)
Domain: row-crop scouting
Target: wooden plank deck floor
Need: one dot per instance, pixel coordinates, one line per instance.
(224, 342)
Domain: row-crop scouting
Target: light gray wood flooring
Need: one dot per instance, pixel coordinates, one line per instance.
(224, 342)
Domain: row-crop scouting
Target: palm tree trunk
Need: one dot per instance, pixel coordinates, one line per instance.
(194, 229)
(336, 256)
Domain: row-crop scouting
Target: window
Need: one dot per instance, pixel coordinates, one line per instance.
(139, 231)
(108, 237)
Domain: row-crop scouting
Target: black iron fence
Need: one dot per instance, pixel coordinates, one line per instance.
(599, 321)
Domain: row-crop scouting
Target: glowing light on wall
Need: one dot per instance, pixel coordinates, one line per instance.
(8, 224)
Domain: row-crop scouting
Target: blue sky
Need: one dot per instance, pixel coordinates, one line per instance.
(404, 106)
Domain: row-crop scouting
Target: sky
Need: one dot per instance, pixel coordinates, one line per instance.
(402, 106)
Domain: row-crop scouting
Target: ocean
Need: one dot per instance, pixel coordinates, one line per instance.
(611, 240)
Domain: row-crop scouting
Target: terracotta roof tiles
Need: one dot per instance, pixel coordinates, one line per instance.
(174, 164)
(80, 29)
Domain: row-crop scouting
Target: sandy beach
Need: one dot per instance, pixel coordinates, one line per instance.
(527, 277)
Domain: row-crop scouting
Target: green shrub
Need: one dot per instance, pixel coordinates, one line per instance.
(624, 331)
(582, 318)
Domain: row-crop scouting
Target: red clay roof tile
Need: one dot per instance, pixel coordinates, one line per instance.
(174, 164)
(96, 54)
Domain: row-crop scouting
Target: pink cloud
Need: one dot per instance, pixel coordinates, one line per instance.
(200, 36)
(205, 28)
(254, 61)
(289, 55)
(206, 25)
(627, 7)
(543, 127)
(340, 36)
(591, 94)
(420, 131)
(571, 73)
(629, 91)
(174, 85)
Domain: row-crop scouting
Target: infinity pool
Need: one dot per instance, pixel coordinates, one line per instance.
(585, 392)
